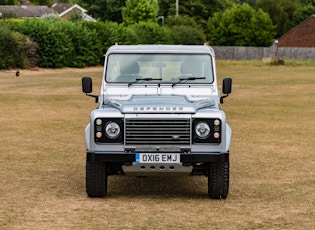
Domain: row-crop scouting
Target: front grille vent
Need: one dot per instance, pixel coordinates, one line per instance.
(157, 132)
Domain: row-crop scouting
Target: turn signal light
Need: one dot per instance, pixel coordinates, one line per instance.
(216, 122)
(98, 122)
(99, 135)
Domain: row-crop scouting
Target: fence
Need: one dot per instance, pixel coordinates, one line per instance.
(249, 53)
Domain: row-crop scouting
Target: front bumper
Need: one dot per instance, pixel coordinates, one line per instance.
(131, 157)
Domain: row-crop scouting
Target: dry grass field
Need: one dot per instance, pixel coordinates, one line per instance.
(42, 161)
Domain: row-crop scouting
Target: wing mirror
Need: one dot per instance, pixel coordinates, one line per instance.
(87, 87)
(226, 88)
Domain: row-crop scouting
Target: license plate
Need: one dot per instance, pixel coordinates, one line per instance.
(157, 158)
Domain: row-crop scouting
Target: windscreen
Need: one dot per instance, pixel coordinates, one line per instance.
(159, 68)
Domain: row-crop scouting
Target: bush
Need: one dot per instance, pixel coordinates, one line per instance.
(145, 33)
(16, 50)
(178, 20)
(186, 35)
(106, 34)
(62, 43)
(86, 47)
(8, 14)
(184, 30)
(27, 50)
(8, 49)
(52, 39)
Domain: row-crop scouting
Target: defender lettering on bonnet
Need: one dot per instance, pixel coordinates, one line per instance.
(159, 115)
(173, 109)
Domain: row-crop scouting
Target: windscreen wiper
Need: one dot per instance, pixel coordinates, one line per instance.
(187, 79)
(144, 79)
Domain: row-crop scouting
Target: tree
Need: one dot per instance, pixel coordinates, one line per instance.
(105, 10)
(241, 25)
(76, 16)
(303, 13)
(8, 2)
(42, 3)
(140, 11)
(250, 2)
(281, 13)
(199, 10)
(113, 10)
(307, 2)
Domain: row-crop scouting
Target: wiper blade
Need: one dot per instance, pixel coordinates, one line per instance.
(187, 79)
(144, 79)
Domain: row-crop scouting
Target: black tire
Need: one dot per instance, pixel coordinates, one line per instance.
(96, 179)
(218, 178)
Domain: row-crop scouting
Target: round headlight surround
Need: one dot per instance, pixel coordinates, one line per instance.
(112, 130)
(202, 130)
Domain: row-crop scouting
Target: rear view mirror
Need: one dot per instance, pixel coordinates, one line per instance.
(87, 85)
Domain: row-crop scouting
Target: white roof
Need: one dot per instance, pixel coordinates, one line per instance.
(161, 49)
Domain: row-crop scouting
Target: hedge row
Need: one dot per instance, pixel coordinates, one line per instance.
(16, 50)
(62, 43)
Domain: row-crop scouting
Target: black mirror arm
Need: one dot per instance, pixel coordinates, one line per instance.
(92, 95)
(222, 97)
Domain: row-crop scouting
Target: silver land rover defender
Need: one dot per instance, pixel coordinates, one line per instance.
(158, 114)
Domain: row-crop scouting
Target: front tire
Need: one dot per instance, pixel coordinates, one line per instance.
(96, 178)
(218, 178)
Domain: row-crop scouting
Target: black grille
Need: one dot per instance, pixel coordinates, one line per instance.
(157, 132)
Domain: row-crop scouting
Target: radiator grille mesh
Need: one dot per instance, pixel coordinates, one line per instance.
(157, 132)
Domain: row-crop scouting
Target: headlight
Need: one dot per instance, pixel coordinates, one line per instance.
(112, 130)
(202, 130)
(109, 131)
(206, 131)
